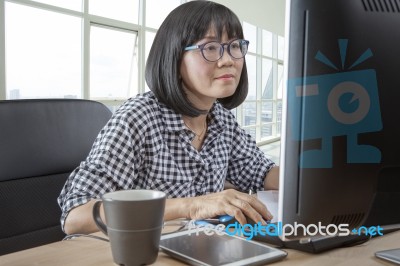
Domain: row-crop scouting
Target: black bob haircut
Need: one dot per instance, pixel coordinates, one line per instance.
(184, 26)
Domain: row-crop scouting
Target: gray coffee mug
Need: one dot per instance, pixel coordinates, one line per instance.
(134, 223)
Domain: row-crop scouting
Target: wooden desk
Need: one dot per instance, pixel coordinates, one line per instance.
(88, 251)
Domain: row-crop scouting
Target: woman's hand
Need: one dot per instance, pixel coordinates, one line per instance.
(234, 203)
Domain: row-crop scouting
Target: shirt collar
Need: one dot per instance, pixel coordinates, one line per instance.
(216, 117)
(172, 120)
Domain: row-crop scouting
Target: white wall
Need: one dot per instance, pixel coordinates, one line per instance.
(266, 14)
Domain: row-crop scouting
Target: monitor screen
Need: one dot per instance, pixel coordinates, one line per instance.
(340, 161)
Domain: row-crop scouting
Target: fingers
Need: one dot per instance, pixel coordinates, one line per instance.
(237, 204)
(251, 207)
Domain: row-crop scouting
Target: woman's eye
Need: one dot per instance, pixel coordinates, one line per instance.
(211, 47)
(235, 46)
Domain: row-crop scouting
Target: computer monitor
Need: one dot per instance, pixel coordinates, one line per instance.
(340, 147)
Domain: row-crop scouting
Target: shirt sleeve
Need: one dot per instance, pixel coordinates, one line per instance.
(248, 165)
(110, 166)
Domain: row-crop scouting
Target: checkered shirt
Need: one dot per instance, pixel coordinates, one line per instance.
(146, 145)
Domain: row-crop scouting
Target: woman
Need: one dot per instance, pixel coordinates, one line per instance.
(180, 137)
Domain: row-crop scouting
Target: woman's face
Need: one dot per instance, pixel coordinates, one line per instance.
(206, 81)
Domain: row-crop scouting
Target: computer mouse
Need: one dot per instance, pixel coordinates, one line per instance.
(227, 219)
(251, 221)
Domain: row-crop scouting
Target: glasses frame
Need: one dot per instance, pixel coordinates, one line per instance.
(222, 45)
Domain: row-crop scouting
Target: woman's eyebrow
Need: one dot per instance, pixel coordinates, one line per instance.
(209, 37)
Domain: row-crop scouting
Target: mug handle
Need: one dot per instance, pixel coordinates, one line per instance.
(96, 217)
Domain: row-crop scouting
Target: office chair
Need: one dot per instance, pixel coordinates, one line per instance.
(41, 143)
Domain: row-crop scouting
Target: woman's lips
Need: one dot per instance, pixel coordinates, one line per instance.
(226, 76)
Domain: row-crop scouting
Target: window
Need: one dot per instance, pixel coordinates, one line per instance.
(149, 41)
(97, 49)
(250, 33)
(251, 63)
(267, 77)
(123, 10)
(113, 63)
(77, 48)
(261, 112)
(267, 43)
(70, 4)
(45, 51)
(157, 11)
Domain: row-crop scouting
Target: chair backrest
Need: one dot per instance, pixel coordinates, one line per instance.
(41, 143)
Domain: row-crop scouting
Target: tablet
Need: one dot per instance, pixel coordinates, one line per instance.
(392, 255)
(198, 247)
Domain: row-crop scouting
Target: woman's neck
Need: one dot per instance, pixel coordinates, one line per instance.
(198, 125)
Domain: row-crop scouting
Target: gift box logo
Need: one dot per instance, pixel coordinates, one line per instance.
(339, 104)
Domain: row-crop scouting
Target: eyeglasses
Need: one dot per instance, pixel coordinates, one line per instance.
(213, 51)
